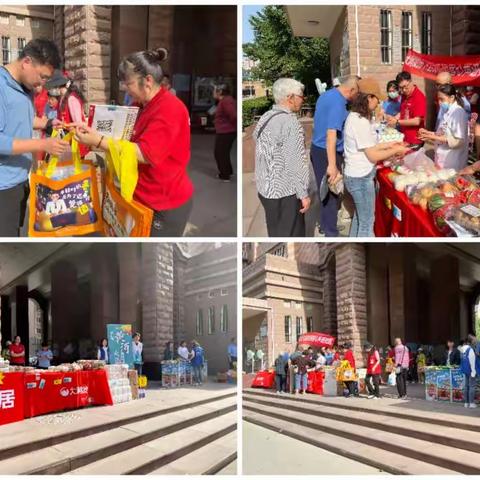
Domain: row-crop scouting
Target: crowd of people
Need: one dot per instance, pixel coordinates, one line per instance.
(346, 147)
(189, 352)
(405, 363)
(161, 134)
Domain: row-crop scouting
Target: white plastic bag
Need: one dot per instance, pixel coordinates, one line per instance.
(392, 379)
(419, 161)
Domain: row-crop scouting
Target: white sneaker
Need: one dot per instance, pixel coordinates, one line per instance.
(278, 393)
(375, 398)
(467, 405)
(472, 405)
(371, 396)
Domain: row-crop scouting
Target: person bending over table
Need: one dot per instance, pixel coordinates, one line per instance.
(362, 153)
(451, 137)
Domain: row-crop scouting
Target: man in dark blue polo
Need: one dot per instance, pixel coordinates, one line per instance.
(327, 146)
(18, 80)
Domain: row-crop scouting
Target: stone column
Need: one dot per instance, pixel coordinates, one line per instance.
(104, 288)
(352, 297)
(21, 314)
(377, 277)
(329, 321)
(129, 284)
(87, 49)
(64, 304)
(160, 31)
(5, 320)
(444, 299)
(157, 302)
(179, 329)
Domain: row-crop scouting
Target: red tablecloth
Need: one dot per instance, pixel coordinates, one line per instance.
(11, 397)
(48, 392)
(315, 382)
(396, 216)
(264, 379)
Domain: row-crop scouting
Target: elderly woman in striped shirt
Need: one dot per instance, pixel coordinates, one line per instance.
(281, 162)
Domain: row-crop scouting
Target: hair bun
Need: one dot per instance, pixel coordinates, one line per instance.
(161, 54)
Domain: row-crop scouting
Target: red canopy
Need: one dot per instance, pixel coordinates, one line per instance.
(316, 339)
(465, 70)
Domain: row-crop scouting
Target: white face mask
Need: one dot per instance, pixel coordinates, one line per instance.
(393, 95)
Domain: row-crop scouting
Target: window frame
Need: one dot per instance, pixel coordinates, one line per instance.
(406, 33)
(211, 321)
(386, 33)
(199, 323)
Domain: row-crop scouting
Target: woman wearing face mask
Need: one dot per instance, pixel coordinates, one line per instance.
(451, 138)
(362, 153)
(162, 138)
(391, 106)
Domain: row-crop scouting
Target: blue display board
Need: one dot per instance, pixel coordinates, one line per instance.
(120, 343)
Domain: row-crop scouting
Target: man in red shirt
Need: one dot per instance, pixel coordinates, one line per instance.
(17, 352)
(374, 371)
(413, 109)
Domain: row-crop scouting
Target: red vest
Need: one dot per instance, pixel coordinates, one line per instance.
(371, 361)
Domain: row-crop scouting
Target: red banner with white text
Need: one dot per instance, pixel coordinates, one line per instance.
(316, 339)
(465, 70)
(11, 397)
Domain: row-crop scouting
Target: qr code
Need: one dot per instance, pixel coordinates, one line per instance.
(105, 126)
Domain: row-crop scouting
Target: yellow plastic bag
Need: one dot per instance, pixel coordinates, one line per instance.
(122, 162)
(142, 381)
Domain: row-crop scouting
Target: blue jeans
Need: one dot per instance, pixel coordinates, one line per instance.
(197, 373)
(469, 389)
(329, 207)
(301, 381)
(362, 190)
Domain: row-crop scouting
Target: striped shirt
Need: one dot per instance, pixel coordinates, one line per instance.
(281, 162)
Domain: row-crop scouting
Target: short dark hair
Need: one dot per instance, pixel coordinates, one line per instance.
(143, 63)
(403, 76)
(42, 51)
(392, 83)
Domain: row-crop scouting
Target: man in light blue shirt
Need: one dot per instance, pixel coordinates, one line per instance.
(327, 146)
(232, 353)
(18, 79)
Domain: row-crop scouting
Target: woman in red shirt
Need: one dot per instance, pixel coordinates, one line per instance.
(162, 138)
(374, 371)
(226, 130)
(17, 352)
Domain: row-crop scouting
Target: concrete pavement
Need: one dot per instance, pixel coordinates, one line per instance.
(266, 452)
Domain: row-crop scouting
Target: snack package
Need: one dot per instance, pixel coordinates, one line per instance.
(468, 217)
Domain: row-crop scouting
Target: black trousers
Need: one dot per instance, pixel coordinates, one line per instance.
(352, 388)
(283, 216)
(402, 382)
(281, 382)
(375, 389)
(171, 223)
(223, 145)
(13, 204)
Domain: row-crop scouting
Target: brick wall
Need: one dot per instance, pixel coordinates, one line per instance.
(87, 49)
(160, 30)
(37, 23)
(351, 296)
(157, 298)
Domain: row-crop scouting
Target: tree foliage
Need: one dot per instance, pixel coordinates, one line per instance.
(280, 54)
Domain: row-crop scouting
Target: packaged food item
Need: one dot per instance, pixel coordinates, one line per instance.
(468, 217)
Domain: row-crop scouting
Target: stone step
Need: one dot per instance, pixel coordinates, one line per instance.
(153, 455)
(98, 420)
(468, 420)
(380, 420)
(207, 460)
(387, 461)
(461, 461)
(74, 454)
